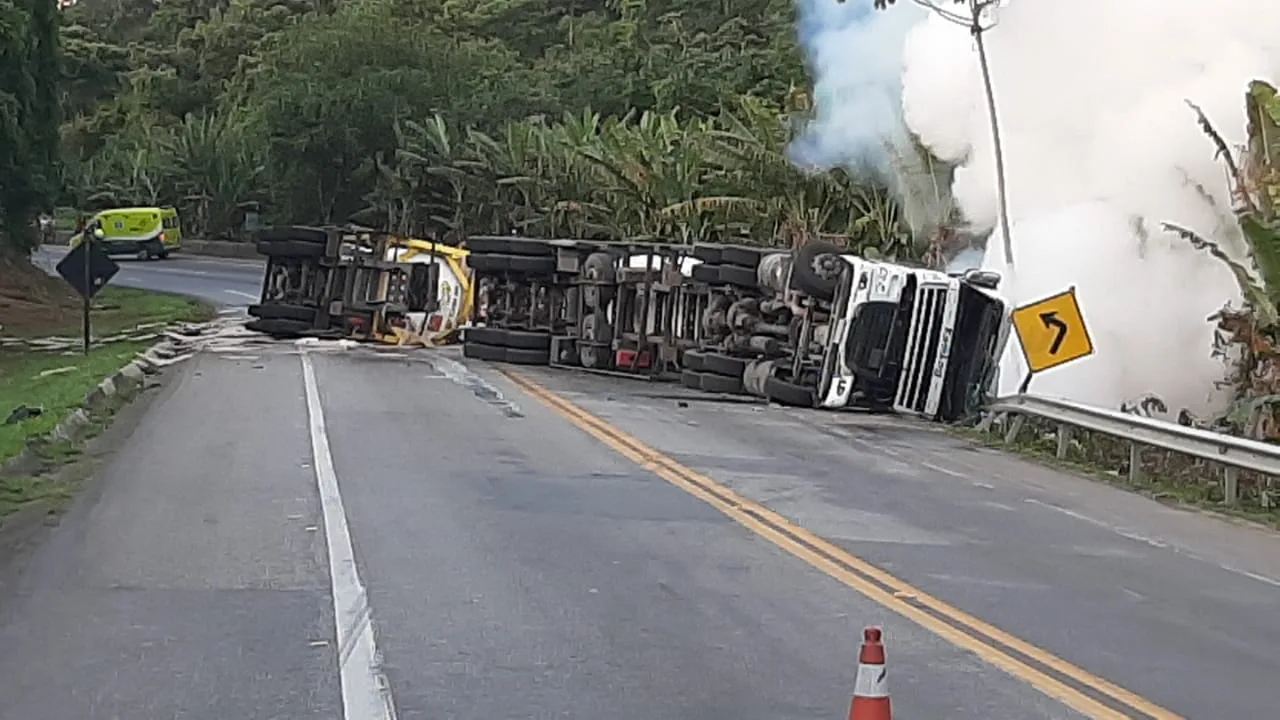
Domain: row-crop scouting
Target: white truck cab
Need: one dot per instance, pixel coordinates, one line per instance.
(913, 340)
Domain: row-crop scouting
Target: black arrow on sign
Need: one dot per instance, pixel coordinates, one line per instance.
(1051, 322)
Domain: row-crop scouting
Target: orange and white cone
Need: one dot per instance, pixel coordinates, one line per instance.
(870, 689)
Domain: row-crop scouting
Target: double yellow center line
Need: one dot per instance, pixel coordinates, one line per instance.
(1076, 688)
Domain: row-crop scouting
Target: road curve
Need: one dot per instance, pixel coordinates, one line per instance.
(283, 536)
(219, 281)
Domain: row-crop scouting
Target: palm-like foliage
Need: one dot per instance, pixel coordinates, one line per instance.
(1250, 336)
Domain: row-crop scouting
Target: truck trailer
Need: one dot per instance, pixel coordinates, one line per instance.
(813, 327)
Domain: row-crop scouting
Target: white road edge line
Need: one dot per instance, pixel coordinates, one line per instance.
(241, 293)
(366, 694)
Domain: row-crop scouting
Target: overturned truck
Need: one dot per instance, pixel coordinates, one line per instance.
(816, 327)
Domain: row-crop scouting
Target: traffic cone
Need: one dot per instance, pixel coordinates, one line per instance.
(870, 689)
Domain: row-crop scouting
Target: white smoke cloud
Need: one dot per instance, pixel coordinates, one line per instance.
(1099, 145)
(855, 55)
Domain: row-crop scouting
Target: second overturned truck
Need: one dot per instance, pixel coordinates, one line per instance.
(812, 327)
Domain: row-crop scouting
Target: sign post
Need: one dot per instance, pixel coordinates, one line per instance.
(1052, 333)
(87, 269)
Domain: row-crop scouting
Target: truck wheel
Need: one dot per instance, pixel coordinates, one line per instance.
(298, 233)
(710, 254)
(739, 276)
(278, 328)
(598, 269)
(528, 340)
(709, 274)
(596, 296)
(691, 379)
(489, 263)
(480, 351)
(694, 360)
(523, 356)
(488, 246)
(528, 264)
(722, 384)
(281, 311)
(596, 328)
(724, 365)
(290, 249)
(743, 257)
(816, 269)
(594, 356)
(485, 336)
(786, 393)
(530, 248)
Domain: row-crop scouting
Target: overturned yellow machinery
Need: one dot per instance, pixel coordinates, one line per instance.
(361, 284)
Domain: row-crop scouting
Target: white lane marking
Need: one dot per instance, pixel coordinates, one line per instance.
(366, 695)
(943, 470)
(241, 293)
(1157, 543)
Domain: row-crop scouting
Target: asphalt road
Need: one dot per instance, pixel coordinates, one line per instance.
(635, 554)
(219, 281)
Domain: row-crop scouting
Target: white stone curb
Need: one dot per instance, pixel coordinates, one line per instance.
(123, 385)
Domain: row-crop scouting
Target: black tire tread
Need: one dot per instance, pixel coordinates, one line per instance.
(523, 356)
(787, 393)
(481, 351)
(283, 311)
(723, 384)
(290, 249)
(724, 365)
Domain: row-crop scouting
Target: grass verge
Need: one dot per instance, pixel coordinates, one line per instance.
(56, 383)
(1166, 477)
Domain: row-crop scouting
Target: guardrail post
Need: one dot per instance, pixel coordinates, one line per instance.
(1230, 485)
(1135, 463)
(1064, 440)
(1015, 427)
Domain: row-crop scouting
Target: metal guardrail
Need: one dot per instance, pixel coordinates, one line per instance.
(1233, 454)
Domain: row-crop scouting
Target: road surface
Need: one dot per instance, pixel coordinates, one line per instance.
(220, 281)
(545, 544)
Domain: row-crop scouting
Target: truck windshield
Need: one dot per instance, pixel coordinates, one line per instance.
(973, 354)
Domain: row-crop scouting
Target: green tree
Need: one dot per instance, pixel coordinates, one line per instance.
(29, 116)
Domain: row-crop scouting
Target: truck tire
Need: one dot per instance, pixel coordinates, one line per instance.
(528, 340)
(709, 254)
(743, 257)
(299, 233)
(786, 393)
(598, 269)
(488, 246)
(738, 276)
(278, 328)
(532, 264)
(526, 247)
(816, 269)
(694, 360)
(691, 379)
(281, 311)
(492, 263)
(290, 249)
(722, 384)
(485, 336)
(724, 365)
(480, 351)
(523, 356)
(709, 274)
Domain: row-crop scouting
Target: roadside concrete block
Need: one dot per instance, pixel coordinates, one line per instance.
(71, 426)
(129, 378)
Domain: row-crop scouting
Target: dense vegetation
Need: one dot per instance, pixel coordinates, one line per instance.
(1249, 336)
(592, 118)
